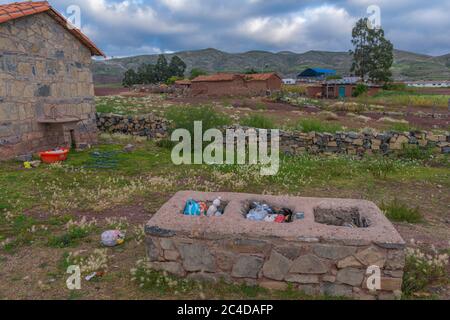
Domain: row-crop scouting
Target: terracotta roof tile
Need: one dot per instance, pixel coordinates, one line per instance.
(183, 82)
(217, 77)
(22, 9)
(260, 76)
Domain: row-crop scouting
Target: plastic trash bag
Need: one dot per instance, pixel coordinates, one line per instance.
(270, 218)
(257, 214)
(112, 238)
(192, 208)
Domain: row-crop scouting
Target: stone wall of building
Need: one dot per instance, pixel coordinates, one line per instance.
(145, 126)
(44, 73)
(311, 266)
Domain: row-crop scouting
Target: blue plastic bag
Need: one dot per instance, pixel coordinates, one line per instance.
(192, 208)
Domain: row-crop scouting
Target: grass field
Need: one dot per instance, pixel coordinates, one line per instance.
(408, 98)
(37, 204)
(53, 215)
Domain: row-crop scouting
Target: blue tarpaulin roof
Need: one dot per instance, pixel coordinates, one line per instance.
(315, 72)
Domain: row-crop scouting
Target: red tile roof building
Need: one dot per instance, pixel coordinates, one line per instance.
(18, 10)
(46, 85)
(232, 84)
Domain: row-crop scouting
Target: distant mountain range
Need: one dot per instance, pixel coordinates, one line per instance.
(407, 65)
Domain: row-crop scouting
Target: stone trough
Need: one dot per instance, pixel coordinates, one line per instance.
(321, 254)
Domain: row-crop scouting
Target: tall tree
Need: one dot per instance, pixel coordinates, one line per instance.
(177, 67)
(195, 72)
(162, 69)
(372, 54)
(130, 78)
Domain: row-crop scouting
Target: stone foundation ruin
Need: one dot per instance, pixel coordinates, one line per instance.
(328, 252)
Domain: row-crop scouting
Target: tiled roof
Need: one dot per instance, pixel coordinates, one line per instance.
(217, 77)
(183, 82)
(17, 10)
(260, 76)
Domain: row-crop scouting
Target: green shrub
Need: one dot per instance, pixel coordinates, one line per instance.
(401, 127)
(184, 118)
(310, 125)
(395, 87)
(415, 152)
(380, 166)
(400, 212)
(422, 270)
(65, 240)
(258, 121)
(172, 80)
(360, 90)
(295, 89)
(165, 144)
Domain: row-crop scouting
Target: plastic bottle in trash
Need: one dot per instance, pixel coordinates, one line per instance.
(217, 202)
(211, 211)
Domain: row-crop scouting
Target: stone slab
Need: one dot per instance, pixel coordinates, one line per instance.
(234, 224)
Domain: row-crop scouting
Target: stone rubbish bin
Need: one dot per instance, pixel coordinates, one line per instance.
(319, 255)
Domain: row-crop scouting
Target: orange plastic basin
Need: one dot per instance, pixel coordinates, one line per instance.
(53, 156)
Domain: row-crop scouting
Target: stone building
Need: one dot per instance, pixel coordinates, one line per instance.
(46, 86)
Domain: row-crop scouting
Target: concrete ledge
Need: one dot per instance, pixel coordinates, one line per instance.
(233, 222)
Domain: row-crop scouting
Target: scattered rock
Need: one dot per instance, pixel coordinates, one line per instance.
(129, 148)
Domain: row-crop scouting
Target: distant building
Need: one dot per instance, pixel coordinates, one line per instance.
(428, 84)
(339, 88)
(289, 81)
(183, 84)
(315, 74)
(262, 83)
(230, 84)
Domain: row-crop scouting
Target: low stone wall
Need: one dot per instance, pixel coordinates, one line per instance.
(293, 143)
(360, 143)
(145, 126)
(310, 256)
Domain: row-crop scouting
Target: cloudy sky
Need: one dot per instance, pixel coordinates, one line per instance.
(131, 27)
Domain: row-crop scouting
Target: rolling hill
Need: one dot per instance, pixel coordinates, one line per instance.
(407, 65)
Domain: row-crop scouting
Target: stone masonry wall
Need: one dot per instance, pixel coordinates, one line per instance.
(144, 126)
(44, 72)
(311, 266)
(293, 143)
(361, 143)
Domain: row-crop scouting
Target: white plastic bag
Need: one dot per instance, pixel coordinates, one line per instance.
(112, 238)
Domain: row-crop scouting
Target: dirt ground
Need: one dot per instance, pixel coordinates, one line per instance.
(35, 272)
